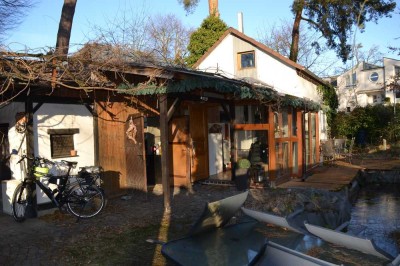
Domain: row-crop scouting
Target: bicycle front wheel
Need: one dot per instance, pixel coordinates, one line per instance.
(19, 203)
(85, 201)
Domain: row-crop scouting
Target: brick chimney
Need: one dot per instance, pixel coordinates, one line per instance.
(213, 8)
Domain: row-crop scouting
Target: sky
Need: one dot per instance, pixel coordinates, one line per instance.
(40, 25)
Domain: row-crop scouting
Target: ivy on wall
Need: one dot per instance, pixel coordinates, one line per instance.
(330, 101)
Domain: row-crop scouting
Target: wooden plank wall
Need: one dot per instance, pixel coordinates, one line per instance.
(112, 119)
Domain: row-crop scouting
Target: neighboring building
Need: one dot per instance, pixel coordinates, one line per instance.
(238, 56)
(367, 84)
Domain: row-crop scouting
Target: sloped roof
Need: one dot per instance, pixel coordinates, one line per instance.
(265, 49)
(131, 78)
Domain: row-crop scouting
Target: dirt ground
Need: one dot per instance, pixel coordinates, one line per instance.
(118, 235)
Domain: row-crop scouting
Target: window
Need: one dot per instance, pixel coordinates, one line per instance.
(397, 71)
(251, 114)
(374, 77)
(347, 80)
(62, 141)
(374, 98)
(354, 78)
(247, 60)
(351, 79)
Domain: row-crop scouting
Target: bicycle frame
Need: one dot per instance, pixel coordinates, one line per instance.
(62, 186)
(50, 193)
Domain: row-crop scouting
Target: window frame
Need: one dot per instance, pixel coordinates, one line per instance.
(396, 71)
(240, 65)
(351, 79)
(377, 76)
(56, 134)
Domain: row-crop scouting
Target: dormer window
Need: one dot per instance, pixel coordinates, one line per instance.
(246, 60)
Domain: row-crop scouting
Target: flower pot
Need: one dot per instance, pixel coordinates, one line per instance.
(74, 152)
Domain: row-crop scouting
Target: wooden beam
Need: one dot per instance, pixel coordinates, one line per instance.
(143, 71)
(172, 109)
(226, 110)
(232, 116)
(251, 126)
(37, 107)
(271, 145)
(144, 105)
(90, 109)
(95, 133)
(29, 128)
(165, 166)
(31, 210)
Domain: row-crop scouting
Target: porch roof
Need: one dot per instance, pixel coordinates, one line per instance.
(131, 78)
(185, 80)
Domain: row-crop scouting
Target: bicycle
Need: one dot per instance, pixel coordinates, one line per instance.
(82, 197)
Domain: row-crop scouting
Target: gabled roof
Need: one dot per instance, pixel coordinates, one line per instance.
(231, 31)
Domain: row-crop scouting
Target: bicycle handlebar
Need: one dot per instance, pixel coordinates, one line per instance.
(38, 159)
(23, 157)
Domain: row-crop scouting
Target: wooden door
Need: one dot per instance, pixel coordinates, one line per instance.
(135, 153)
(198, 142)
(178, 143)
(119, 157)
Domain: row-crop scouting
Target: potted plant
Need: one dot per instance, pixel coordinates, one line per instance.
(242, 174)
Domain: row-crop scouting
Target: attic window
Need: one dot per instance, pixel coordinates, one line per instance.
(247, 59)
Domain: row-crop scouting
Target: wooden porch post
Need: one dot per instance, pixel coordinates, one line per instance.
(29, 128)
(31, 210)
(164, 147)
(271, 145)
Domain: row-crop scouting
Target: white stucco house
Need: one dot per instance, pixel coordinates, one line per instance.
(367, 84)
(236, 55)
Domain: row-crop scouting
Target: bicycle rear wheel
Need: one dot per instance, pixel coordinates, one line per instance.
(85, 201)
(19, 203)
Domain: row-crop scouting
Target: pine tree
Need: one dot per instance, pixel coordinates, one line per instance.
(203, 38)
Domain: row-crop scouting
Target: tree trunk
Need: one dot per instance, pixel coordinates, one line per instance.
(64, 28)
(294, 48)
(63, 36)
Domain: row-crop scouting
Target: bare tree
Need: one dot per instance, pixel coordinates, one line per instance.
(12, 13)
(140, 38)
(168, 39)
(372, 55)
(312, 54)
(124, 34)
